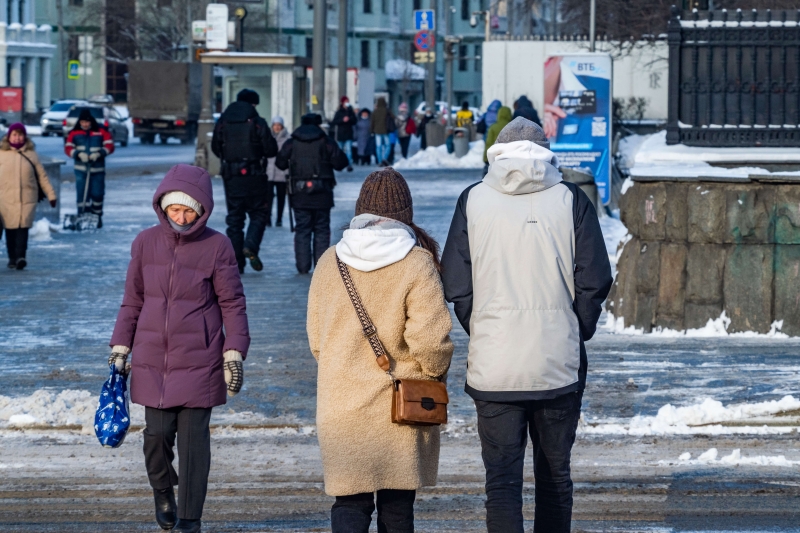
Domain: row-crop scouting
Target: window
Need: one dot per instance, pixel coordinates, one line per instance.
(385, 7)
(367, 6)
(417, 4)
(381, 55)
(478, 58)
(364, 54)
(309, 47)
(464, 9)
(462, 57)
(77, 3)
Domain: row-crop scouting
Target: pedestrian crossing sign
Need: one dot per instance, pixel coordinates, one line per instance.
(73, 69)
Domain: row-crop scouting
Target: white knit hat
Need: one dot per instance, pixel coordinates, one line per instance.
(181, 198)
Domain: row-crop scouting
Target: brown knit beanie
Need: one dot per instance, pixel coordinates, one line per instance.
(385, 193)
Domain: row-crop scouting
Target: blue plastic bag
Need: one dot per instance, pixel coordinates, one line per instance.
(111, 421)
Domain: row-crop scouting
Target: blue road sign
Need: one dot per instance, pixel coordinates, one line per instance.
(424, 19)
(73, 70)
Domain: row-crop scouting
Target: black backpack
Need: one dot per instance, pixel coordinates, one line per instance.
(240, 141)
(311, 170)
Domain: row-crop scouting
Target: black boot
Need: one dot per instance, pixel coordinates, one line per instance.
(255, 262)
(187, 526)
(165, 508)
(21, 263)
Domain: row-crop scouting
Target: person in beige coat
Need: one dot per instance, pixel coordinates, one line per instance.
(21, 175)
(395, 267)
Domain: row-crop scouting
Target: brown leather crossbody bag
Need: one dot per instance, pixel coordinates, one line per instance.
(415, 402)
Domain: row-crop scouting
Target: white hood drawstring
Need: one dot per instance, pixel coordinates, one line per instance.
(374, 242)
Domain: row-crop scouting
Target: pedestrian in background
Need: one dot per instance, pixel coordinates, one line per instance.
(380, 128)
(524, 108)
(363, 135)
(182, 288)
(277, 177)
(395, 267)
(243, 142)
(89, 145)
(344, 121)
(503, 118)
(527, 363)
(22, 181)
(406, 127)
(464, 116)
(311, 156)
(422, 128)
(488, 118)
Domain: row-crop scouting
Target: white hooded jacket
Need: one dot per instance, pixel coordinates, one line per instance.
(374, 242)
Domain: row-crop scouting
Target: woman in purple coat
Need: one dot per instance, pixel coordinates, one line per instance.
(182, 287)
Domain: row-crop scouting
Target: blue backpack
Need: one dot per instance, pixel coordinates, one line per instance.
(111, 421)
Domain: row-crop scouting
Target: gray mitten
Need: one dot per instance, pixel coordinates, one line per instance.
(119, 358)
(234, 372)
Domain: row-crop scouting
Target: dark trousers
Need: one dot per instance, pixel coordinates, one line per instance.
(404, 142)
(353, 514)
(16, 243)
(239, 208)
(277, 189)
(95, 194)
(194, 451)
(503, 429)
(311, 227)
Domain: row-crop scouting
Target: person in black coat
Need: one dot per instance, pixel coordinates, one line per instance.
(343, 122)
(311, 158)
(243, 142)
(524, 108)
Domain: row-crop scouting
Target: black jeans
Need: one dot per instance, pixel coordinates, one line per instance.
(239, 208)
(277, 189)
(503, 429)
(308, 222)
(194, 450)
(353, 514)
(16, 243)
(404, 142)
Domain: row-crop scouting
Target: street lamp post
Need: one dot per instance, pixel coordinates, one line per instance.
(473, 21)
(318, 56)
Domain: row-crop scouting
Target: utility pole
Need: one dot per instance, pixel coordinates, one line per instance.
(60, 8)
(318, 56)
(592, 23)
(342, 47)
(430, 80)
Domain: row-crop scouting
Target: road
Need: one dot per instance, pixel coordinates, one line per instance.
(57, 317)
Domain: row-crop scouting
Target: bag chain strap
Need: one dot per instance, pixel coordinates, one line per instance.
(370, 332)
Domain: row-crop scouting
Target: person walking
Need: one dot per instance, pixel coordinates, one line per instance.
(243, 142)
(406, 127)
(182, 288)
(311, 157)
(488, 118)
(394, 266)
(23, 181)
(524, 108)
(503, 118)
(363, 134)
(464, 116)
(89, 145)
(527, 361)
(422, 129)
(344, 121)
(380, 128)
(277, 177)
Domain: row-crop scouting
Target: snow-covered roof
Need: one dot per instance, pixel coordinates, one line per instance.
(400, 69)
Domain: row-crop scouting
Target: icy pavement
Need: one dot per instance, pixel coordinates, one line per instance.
(643, 392)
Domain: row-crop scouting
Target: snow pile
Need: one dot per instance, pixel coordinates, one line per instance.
(49, 408)
(400, 69)
(735, 458)
(717, 327)
(628, 148)
(437, 157)
(707, 417)
(614, 234)
(41, 230)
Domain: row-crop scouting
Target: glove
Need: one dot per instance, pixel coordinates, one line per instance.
(53, 203)
(83, 156)
(95, 156)
(119, 358)
(234, 372)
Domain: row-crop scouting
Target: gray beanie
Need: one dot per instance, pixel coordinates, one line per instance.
(522, 129)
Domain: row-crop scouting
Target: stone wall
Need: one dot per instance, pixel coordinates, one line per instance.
(702, 247)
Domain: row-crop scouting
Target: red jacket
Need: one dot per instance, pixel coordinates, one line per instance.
(89, 142)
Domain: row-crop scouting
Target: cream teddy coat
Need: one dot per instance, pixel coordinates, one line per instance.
(19, 191)
(362, 450)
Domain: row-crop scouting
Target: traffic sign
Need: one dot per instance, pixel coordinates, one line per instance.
(425, 41)
(74, 70)
(424, 19)
(217, 27)
(425, 57)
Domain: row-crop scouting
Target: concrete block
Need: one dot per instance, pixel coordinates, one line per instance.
(697, 315)
(672, 284)
(747, 284)
(677, 212)
(647, 267)
(787, 287)
(787, 214)
(645, 312)
(704, 268)
(629, 211)
(652, 211)
(706, 212)
(749, 214)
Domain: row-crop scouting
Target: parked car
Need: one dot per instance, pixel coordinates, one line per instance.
(53, 119)
(107, 117)
(441, 109)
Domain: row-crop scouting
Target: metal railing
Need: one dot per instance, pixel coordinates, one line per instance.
(734, 78)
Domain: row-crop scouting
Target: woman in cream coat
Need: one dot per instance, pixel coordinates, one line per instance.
(395, 268)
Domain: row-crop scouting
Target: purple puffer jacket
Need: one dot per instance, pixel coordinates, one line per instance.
(180, 290)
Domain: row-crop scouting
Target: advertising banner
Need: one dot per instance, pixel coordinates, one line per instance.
(577, 114)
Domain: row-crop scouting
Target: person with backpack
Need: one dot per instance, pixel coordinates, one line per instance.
(243, 142)
(393, 267)
(406, 127)
(524, 108)
(311, 156)
(89, 145)
(344, 121)
(464, 117)
(527, 363)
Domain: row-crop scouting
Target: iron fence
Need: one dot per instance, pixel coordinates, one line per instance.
(734, 78)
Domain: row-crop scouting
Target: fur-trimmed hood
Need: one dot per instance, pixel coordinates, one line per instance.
(28, 146)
